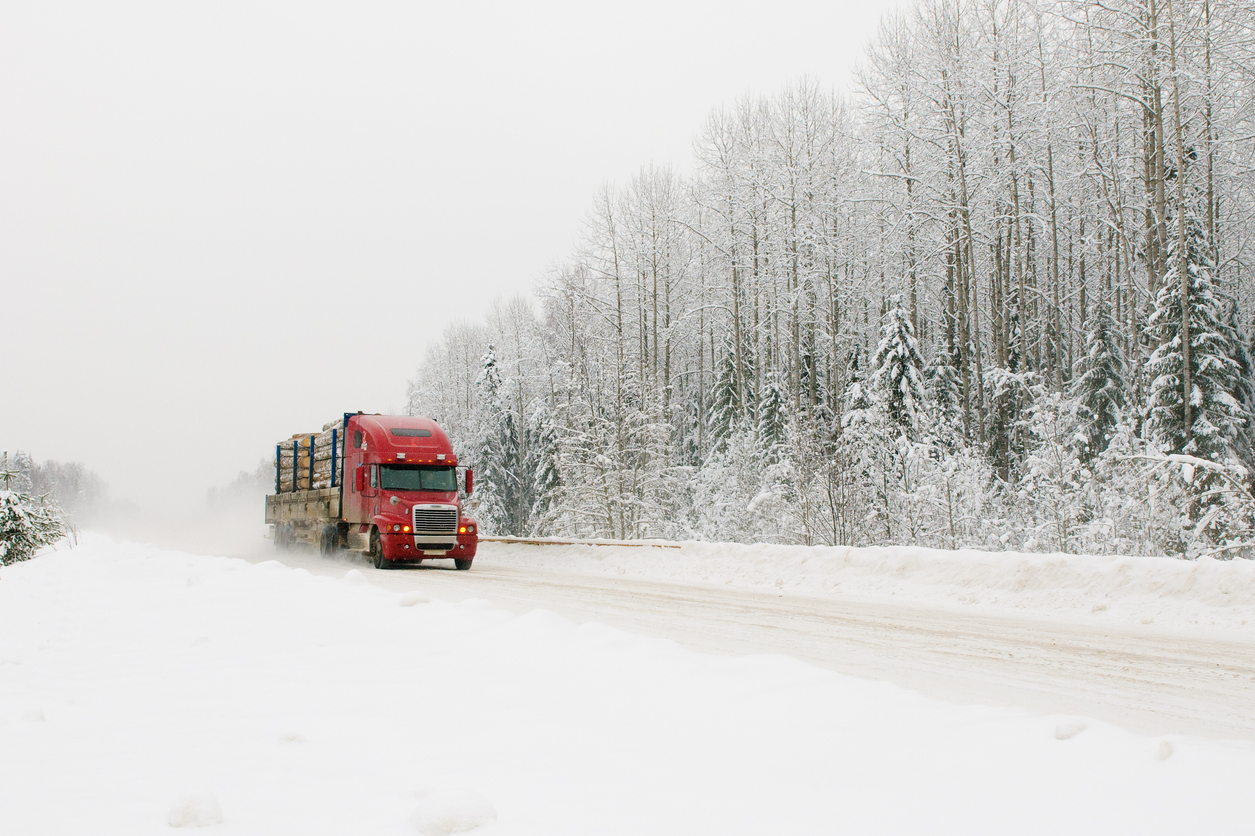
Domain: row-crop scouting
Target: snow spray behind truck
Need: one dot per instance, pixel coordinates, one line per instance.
(386, 484)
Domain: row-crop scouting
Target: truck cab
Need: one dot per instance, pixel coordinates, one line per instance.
(400, 489)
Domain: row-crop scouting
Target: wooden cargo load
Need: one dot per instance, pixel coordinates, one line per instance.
(326, 447)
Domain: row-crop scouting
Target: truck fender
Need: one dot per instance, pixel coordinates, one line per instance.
(383, 523)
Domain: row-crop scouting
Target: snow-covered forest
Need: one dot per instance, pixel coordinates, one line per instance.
(942, 308)
(30, 516)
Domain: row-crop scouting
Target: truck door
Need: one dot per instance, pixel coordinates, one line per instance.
(372, 488)
(355, 505)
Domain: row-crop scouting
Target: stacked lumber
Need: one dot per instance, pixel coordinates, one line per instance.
(321, 452)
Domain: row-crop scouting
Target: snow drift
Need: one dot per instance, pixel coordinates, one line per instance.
(1205, 593)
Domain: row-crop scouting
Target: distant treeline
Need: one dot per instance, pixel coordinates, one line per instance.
(245, 490)
(74, 489)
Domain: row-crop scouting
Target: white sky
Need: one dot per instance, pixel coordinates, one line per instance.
(225, 222)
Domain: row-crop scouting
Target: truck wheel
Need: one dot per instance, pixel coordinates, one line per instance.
(462, 564)
(329, 542)
(376, 551)
(284, 537)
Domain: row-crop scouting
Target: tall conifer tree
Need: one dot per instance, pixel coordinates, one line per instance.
(1215, 415)
(496, 453)
(1099, 385)
(899, 369)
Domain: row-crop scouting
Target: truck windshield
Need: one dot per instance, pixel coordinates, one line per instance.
(415, 478)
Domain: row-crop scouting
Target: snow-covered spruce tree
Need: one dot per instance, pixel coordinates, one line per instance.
(773, 420)
(26, 523)
(1243, 388)
(542, 469)
(1192, 410)
(899, 369)
(721, 409)
(858, 406)
(943, 392)
(1204, 421)
(495, 453)
(1099, 385)
(857, 398)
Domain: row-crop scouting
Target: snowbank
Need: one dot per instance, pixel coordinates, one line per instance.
(141, 689)
(1207, 593)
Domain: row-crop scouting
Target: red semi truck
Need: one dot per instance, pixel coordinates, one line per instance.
(393, 492)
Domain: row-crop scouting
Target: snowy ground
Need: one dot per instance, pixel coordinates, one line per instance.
(141, 689)
(1214, 596)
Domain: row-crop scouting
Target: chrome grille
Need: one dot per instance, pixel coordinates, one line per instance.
(435, 519)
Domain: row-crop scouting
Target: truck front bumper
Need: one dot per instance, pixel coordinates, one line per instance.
(404, 547)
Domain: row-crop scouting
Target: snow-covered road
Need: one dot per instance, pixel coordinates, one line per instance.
(143, 689)
(1147, 678)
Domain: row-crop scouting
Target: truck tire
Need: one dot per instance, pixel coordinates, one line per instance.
(461, 564)
(376, 551)
(284, 536)
(329, 542)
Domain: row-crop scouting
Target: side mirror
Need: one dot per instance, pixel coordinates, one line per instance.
(359, 479)
(470, 481)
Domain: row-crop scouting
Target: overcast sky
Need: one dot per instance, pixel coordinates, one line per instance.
(225, 222)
